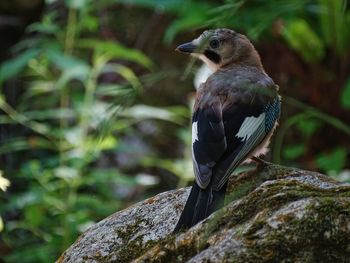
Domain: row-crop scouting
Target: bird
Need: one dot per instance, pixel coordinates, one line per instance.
(235, 113)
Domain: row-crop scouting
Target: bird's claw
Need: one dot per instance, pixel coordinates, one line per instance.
(261, 164)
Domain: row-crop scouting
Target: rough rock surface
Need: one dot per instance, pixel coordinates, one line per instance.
(275, 214)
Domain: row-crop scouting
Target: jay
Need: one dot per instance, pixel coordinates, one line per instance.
(235, 114)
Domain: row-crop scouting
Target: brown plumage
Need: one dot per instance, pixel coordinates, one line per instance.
(234, 116)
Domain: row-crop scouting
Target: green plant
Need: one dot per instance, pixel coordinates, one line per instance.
(316, 30)
(71, 119)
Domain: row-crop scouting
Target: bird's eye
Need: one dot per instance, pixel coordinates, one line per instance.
(214, 43)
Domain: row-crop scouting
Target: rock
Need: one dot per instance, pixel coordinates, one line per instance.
(275, 214)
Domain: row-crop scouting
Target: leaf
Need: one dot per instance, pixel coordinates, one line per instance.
(125, 72)
(115, 90)
(180, 25)
(63, 61)
(293, 151)
(66, 173)
(12, 67)
(308, 126)
(334, 24)
(142, 112)
(103, 176)
(54, 113)
(332, 161)
(32, 197)
(33, 215)
(345, 96)
(303, 39)
(14, 144)
(162, 5)
(73, 68)
(45, 28)
(77, 4)
(106, 143)
(33, 252)
(116, 50)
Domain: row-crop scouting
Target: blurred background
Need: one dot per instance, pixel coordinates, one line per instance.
(95, 103)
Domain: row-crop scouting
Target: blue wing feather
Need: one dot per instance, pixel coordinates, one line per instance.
(218, 151)
(272, 110)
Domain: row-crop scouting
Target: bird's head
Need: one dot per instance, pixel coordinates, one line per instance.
(222, 47)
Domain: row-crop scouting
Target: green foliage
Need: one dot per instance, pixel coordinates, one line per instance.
(300, 36)
(14, 66)
(335, 21)
(311, 28)
(247, 16)
(191, 14)
(116, 50)
(73, 119)
(333, 161)
(54, 211)
(181, 167)
(293, 151)
(345, 96)
(255, 18)
(308, 122)
(308, 126)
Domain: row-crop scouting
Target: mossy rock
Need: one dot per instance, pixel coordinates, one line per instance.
(275, 214)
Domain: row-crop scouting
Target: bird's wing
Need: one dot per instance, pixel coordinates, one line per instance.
(246, 126)
(208, 140)
(228, 123)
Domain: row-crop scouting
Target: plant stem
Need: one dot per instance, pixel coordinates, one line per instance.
(71, 32)
(24, 120)
(337, 123)
(309, 112)
(64, 103)
(68, 51)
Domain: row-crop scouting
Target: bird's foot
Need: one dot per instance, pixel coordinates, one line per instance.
(261, 164)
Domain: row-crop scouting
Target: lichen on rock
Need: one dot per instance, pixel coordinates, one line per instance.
(275, 214)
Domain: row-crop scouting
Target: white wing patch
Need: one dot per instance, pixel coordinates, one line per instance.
(249, 126)
(253, 132)
(194, 132)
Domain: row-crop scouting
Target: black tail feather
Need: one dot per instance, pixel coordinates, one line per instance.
(218, 200)
(199, 205)
(202, 204)
(186, 217)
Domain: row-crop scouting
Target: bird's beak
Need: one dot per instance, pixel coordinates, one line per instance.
(187, 47)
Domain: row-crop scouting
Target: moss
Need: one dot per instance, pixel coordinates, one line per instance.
(239, 191)
(291, 218)
(134, 247)
(307, 232)
(168, 250)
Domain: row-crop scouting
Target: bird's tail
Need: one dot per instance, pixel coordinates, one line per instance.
(200, 204)
(218, 200)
